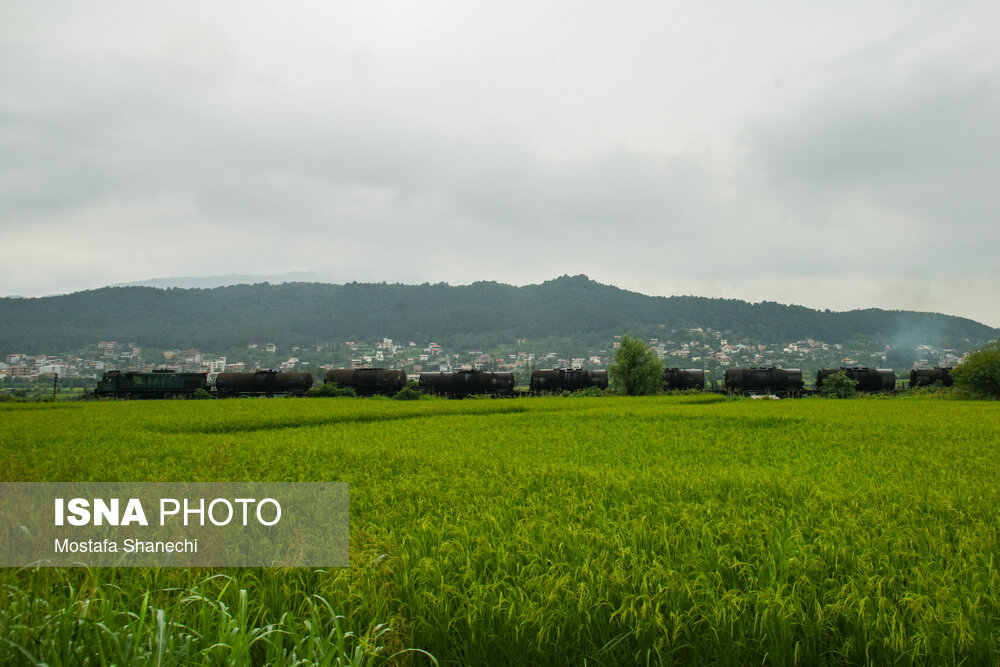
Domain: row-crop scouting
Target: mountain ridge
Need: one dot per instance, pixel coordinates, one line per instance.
(479, 314)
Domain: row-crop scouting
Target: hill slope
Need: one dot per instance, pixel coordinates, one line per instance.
(480, 314)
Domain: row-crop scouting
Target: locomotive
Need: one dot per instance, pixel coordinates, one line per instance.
(158, 384)
(554, 380)
(368, 381)
(925, 377)
(868, 379)
(773, 380)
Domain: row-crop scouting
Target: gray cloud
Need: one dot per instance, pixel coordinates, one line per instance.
(926, 143)
(836, 163)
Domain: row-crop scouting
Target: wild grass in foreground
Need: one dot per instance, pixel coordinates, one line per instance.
(98, 621)
(550, 531)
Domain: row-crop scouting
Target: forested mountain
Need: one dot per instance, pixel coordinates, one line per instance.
(482, 314)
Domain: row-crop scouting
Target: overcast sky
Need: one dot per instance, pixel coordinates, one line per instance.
(835, 155)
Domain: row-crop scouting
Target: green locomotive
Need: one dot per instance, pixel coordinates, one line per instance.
(158, 384)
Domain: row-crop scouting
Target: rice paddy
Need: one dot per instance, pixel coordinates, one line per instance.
(670, 529)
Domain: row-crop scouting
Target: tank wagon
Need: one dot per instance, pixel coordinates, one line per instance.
(457, 384)
(262, 383)
(158, 384)
(683, 378)
(868, 379)
(773, 380)
(925, 377)
(368, 381)
(553, 380)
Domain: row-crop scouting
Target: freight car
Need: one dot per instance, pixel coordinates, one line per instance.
(368, 381)
(158, 384)
(683, 378)
(553, 380)
(262, 383)
(457, 384)
(773, 380)
(925, 377)
(868, 379)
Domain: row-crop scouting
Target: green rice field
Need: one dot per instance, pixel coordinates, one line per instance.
(684, 529)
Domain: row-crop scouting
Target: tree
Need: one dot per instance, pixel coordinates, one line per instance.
(980, 372)
(838, 385)
(411, 392)
(636, 370)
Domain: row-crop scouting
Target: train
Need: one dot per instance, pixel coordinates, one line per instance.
(683, 378)
(459, 384)
(168, 383)
(158, 384)
(558, 380)
(772, 380)
(782, 382)
(368, 381)
(868, 379)
(262, 383)
(925, 377)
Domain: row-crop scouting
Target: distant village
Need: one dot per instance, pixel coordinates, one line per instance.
(689, 348)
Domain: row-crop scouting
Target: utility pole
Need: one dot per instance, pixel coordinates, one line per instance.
(55, 385)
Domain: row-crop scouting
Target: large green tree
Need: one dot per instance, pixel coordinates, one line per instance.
(980, 372)
(838, 385)
(636, 370)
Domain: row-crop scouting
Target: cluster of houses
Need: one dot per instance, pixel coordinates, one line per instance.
(693, 348)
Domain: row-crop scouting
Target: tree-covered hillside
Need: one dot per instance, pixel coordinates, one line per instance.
(482, 314)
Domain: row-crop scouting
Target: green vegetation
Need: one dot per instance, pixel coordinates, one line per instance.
(40, 391)
(674, 529)
(411, 392)
(330, 390)
(570, 314)
(838, 385)
(636, 371)
(980, 372)
(212, 623)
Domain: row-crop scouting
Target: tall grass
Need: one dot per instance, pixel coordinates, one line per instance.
(546, 531)
(99, 617)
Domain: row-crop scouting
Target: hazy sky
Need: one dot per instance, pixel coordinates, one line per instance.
(835, 155)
